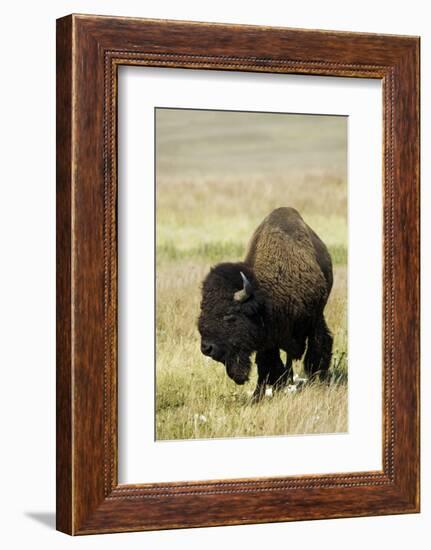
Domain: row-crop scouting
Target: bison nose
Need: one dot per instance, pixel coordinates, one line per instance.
(207, 348)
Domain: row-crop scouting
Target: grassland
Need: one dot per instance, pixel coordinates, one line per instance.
(218, 176)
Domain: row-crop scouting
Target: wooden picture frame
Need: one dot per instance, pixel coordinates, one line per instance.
(89, 51)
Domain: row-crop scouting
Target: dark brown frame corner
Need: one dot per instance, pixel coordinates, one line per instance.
(89, 51)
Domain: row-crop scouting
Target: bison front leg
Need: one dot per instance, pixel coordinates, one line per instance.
(319, 351)
(270, 370)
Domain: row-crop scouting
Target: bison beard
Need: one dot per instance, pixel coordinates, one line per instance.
(238, 367)
(273, 300)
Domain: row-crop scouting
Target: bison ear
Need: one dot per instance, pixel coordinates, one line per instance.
(255, 305)
(246, 291)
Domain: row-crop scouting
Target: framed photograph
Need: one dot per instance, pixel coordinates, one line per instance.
(237, 274)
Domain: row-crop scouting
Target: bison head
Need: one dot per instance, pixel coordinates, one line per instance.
(231, 322)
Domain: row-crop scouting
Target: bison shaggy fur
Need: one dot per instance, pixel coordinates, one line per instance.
(273, 300)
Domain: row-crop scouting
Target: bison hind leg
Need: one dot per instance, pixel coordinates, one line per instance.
(319, 351)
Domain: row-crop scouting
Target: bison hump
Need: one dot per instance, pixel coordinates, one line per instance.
(290, 260)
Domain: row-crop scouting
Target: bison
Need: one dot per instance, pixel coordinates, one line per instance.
(272, 300)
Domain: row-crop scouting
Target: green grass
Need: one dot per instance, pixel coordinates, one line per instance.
(222, 251)
(199, 401)
(213, 251)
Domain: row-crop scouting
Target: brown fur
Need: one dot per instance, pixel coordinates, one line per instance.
(290, 271)
(284, 260)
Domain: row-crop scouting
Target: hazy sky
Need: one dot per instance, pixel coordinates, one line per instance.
(224, 143)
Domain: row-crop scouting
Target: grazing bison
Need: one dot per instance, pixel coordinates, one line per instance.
(273, 300)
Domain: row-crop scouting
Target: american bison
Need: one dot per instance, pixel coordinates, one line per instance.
(272, 300)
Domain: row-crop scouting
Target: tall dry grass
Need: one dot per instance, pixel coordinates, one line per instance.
(206, 212)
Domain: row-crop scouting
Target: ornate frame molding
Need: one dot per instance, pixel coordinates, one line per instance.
(90, 49)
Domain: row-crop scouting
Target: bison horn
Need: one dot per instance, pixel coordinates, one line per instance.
(245, 292)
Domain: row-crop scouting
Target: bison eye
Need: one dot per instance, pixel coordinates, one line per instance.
(229, 318)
